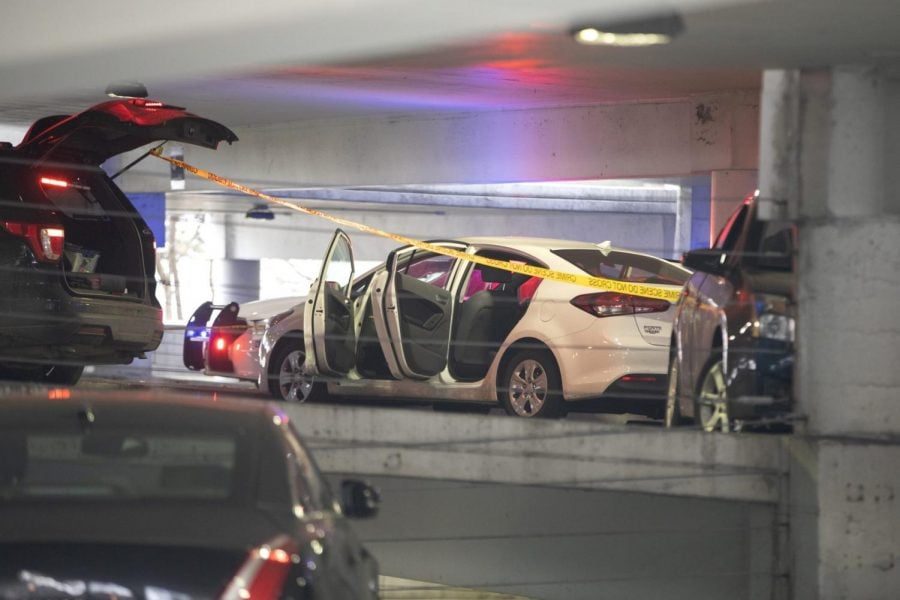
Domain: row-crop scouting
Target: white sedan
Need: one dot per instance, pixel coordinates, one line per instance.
(426, 326)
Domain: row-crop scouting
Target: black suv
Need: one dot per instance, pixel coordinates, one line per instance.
(77, 262)
(732, 348)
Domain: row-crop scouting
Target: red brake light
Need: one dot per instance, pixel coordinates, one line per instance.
(264, 571)
(611, 304)
(46, 241)
(51, 181)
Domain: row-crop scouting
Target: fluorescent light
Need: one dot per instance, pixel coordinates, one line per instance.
(639, 32)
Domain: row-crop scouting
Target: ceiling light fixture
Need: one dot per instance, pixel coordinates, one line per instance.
(260, 211)
(651, 31)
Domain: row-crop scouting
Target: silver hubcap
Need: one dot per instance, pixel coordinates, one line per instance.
(713, 400)
(293, 383)
(528, 388)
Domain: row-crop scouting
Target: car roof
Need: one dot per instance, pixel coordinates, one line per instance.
(525, 243)
(41, 405)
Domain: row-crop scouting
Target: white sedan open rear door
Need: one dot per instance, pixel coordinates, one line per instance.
(416, 308)
(328, 322)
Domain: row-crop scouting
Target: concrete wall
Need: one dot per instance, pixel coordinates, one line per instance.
(652, 139)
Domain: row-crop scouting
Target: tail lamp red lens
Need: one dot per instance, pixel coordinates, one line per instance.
(263, 574)
(219, 344)
(46, 241)
(611, 304)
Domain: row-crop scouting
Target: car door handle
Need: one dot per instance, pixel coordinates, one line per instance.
(432, 321)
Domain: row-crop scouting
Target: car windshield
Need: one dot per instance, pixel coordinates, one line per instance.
(624, 266)
(773, 244)
(116, 465)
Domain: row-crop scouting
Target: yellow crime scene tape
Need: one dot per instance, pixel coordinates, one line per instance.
(613, 285)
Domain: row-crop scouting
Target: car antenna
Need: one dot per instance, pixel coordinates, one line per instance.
(137, 160)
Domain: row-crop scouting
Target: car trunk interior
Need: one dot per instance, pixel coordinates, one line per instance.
(103, 246)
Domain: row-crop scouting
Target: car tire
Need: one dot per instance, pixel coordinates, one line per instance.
(711, 408)
(672, 417)
(530, 385)
(64, 374)
(287, 378)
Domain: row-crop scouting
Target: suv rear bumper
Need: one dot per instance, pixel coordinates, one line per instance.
(88, 329)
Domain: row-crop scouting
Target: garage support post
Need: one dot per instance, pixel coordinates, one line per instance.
(830, 144)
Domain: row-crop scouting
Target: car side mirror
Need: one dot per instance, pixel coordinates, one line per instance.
(707, 260)
(358, 499)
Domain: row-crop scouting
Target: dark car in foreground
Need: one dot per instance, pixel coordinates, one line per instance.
(152, 498)
(732, 350)
(77, 262)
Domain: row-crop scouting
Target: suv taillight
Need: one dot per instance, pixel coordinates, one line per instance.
(264, 572)
(46, 241)
(611, 304)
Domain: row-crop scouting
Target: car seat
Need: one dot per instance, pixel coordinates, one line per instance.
(482, 323)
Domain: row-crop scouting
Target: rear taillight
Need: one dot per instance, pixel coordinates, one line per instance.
(264, 572)
(46, 241)
(611, 304)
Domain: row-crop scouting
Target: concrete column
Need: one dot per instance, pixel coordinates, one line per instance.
(827, 166)
(235, 280)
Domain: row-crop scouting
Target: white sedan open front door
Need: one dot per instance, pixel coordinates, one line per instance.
(414, 309)
(329, 329)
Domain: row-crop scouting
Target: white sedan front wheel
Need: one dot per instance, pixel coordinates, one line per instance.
(288, 379)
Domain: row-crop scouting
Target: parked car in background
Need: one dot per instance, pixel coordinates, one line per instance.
(426, 326)
(224, 340)
(77, 262)
(107, 496)
(733, 334)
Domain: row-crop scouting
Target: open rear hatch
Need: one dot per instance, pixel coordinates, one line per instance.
(108, 249)
(117, 126)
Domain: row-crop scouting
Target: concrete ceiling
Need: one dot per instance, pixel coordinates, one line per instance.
(279, 60)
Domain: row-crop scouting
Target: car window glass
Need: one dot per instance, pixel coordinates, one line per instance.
(340, 267)
(77, 195)
(485, 278)
(116, 464)
(430, 268)
(727, 238)
(624, 266)
(313, 492)
(774, 243)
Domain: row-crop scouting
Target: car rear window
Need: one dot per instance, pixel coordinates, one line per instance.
(76, 195)
(116, 465)
(624, 266)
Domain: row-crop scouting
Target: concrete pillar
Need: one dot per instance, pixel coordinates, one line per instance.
(235, 280)
(829, 139)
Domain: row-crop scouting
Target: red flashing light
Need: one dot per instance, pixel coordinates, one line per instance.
(611, 304)
(54, 182)
(46, 241)
(220, 344)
